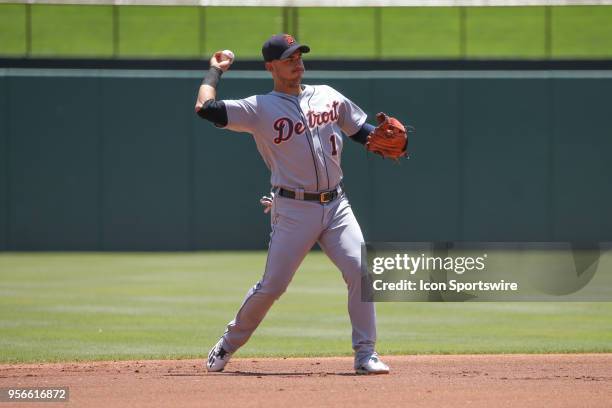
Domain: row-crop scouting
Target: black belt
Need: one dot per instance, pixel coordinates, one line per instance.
(323, 198)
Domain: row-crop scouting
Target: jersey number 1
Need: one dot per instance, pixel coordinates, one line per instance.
(332, 139)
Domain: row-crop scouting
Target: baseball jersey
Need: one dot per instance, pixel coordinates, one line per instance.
(298, 137)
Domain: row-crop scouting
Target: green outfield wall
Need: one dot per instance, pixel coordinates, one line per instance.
(117, 160)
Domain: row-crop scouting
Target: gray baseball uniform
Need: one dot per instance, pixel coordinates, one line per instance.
(300, 140)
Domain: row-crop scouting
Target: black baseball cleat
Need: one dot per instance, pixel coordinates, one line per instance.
(218, 357)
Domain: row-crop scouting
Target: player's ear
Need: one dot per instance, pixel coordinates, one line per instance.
(269, 67)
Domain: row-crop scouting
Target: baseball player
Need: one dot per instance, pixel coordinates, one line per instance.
(298, 132)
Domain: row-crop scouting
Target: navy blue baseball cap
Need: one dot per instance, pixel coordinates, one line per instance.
(281, 46)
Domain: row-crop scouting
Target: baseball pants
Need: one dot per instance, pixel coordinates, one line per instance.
(296, 226)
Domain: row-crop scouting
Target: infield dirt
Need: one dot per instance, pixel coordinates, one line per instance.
(559, 380)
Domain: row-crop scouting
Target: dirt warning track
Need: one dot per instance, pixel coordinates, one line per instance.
(560, 380)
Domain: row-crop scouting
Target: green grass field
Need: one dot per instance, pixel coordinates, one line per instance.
(98, 306)
(188, 32)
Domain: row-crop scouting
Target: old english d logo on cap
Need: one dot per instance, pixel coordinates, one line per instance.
(290, 40)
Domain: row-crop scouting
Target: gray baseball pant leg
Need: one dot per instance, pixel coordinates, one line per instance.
(341, 241)
(296, 226)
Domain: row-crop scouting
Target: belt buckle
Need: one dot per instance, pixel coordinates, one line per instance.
(325, 197)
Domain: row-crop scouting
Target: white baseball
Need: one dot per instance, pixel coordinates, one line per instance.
(227, 55)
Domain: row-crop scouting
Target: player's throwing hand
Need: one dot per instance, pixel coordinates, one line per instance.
(222, 60)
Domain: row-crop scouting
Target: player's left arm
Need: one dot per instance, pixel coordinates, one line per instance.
(388, 139)
(352, 120)
(362, 135)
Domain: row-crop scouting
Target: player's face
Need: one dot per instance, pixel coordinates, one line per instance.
(290, 68)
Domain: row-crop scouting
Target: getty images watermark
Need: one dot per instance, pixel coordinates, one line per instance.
(486, 271)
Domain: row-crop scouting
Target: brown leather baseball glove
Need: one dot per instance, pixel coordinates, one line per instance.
(389, 139)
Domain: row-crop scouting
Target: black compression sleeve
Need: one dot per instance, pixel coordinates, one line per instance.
(212, 77)
(215, 112)
(362, 135)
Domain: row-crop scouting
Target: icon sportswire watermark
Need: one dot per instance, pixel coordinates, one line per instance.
(486, 271)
